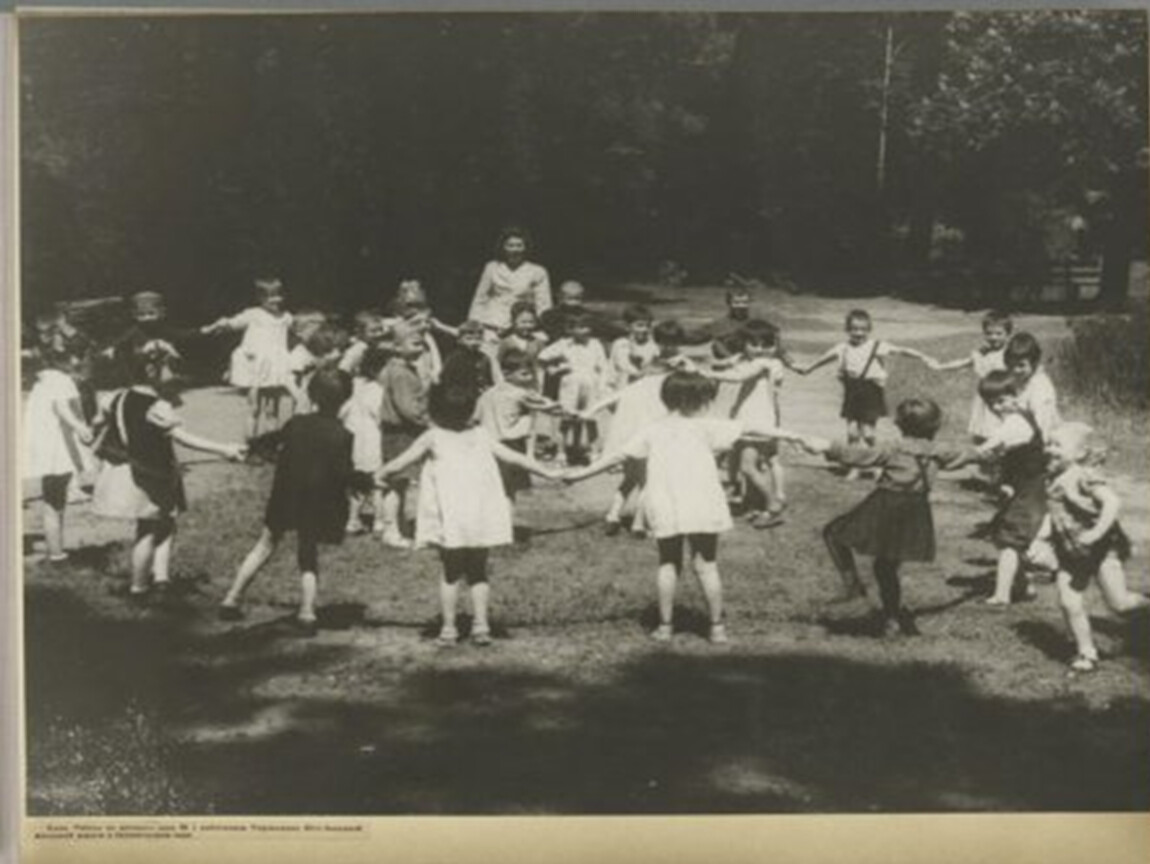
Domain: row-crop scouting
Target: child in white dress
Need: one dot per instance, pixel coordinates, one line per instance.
(632, 354)
(1036, 394)
(261, 364)
(361, 416)
(56, 440)
(462, 506)
(583, 364)
(988, 357)
(684, 501)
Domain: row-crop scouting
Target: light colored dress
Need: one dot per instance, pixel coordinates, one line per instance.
(1038, 399)
(462, 504)
(756, 401)
(501, 287)
(639, 405)
(262, 358)
(50, 447)
(585, 370)
(683, 494)
(361, 417)
(629, 360)
(984, 422)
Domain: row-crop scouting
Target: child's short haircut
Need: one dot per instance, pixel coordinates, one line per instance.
(728, 345)
(918, 418)
(471, 327)
(366, 318)
(452, 405)
(668, 334)
(637, 312)
(506, 234)
(578, 318)
(760, 332)
(1022, 346)
(687, 392)
(147, 357)
(519, 307)
(329, 389)
(411, 291)
(997, 384)
(147, 304)
(325, 339)
(406, 307)
(374, 359)
(998, 318)
(514, 360)
(1081, 439)
(860, 315)
(269, 286)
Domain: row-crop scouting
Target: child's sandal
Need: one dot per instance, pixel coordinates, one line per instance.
(662, 633)
(1082, 663)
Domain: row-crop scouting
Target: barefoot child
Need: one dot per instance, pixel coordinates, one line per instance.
(894, 524)
(1017, 447)
(261, 364)
(1090, 545)
(56, 439)
(463, 509)
(141, 477)
(309, 496)
(862, 369)
(684, 500)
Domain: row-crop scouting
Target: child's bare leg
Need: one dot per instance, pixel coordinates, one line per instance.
(1008, 566)
(760, 480)
(307, 554)
(253, 422)
(449, 593)
(354, 512)
(854, 438)
(142, 552)
(778, 478)
(1112, 581)
(705, 548)
(162, 555)
(480, 594)
(252, 564)
(867, 434)
(844, 561)
(392, 507)
(670, 560)
(1074, 611)
(377, 510)
(54, 522)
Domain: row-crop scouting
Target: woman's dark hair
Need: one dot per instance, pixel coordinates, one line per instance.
(452, 405)
(1022, 346)
(687, 392)
(667, 333)
(506, 234)
(918, 418)
(373, 361)
(328, 390)
(997, 384)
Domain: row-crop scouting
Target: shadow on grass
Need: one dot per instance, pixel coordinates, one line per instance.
(668, 731)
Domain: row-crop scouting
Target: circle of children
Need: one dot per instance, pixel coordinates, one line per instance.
(380, 417)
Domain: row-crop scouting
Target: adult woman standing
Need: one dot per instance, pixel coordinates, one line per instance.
(506, 280)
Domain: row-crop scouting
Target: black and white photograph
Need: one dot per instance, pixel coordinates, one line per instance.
(584, 413)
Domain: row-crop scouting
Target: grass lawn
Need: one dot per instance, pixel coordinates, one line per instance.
(574, 709)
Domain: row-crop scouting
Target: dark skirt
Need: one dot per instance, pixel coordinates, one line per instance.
(515, 479)
(1016, 523)
(1083, 564)
(864, 401)
(897, 526)
(321, 515)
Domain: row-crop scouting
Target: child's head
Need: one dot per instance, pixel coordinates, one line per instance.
(524, 321)
(739, 302)
(517, 368)
(858, 326)
(687, 393)
(328, 390)
(408, 341)
(638, 319)
(512, 245)
(373, 361)
(471, 335)
(571, 293)
(760, 338)
(410, 291)
(270, 293)
(151, 362)
(996, 327)
(999, 390)
(1022, 356)
(1072, 444)
(327, 344)
(918, 418)
(579, 326)
(370, 326)
(452, 406)
(669, 336)
(305, 322)
(148, 307)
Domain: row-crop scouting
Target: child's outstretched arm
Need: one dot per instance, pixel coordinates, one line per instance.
(602, 405)
(950, 365)
(600, 465)
(772, 433)
(220, 325)
(828, 356)
(68, 415)
(739, 373)
(408, 457)
(447, 329)
(903, 351)
(512, 457)
(234, 452)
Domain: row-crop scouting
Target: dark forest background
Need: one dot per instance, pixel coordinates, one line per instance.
(878, 152)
